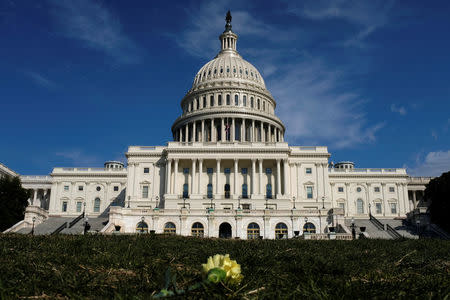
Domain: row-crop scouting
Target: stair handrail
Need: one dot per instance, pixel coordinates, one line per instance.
(76, 220)
(376, 222)
(394, 233)
(60, 228)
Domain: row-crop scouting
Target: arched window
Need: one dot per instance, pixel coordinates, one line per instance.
(219, 100)
(197, 229)
(97, 205)
(264, 105)
(236, 100)
(269, 191)
(252, 231)
(170, 228)
(227, 191)
(281, 231)
(360, 206)
(228, 100)
(211, 100)
(244, 101)
(204, 102)
(309, 227)
(142, 227)
(185, 190)
(251, 102)
(244, 191)
(197, 103)
(210, 191)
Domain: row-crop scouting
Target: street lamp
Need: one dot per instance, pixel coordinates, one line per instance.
(157, 204)
(239, 202)
(370, 211)
(86, 225)
(418, 227)
(211, 203)
(323, 202)
(267, 204)
(184, 202)
(84, 209)
(293, 199)
(32, 229)
(353, 228)
(129, 197)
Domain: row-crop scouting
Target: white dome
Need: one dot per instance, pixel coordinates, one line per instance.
(228, 65)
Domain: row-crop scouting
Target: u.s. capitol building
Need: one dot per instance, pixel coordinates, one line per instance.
(227, 172)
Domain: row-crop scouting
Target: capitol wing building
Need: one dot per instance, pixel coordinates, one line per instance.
(227, 173)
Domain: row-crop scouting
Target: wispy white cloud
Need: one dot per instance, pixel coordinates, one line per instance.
(40, 80)
(434, 164)
(78, 157)
(398, 109)
(96, 26)
(366, 15)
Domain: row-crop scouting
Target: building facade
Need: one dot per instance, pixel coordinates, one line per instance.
(228, 171)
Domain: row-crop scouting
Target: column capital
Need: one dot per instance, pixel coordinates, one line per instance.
(176, 160)
(254, 160)
(200, 160)
(298, 164)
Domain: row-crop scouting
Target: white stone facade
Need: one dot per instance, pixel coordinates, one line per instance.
(228, 171)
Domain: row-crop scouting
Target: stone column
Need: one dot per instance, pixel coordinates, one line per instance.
(194, 133)
(400, 203)
(186, 132)
(34, 197)
(282, 136)
(262, 132)
(260, 175)
(233, 130)
(269, 133)
(385, 202)
(286, 174)
(180, 136)
(243, 130)
(213, 135)
(175, 173)
(168, 165)
(193, 177)
(203, 131)
(200, 170)
(299, 165)
(414, 199)
(252, 132)
(217, 176)
(278, 179)
(235, 177)
(222, 130)
(253, 177)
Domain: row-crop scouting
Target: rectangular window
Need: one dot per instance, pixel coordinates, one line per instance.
(244, 101)
(308, 171)
(64, 206)
(268, 171)
(80, 187)
(116, 188)
(204, 102)
(378, 208)
(391, 189)
(97, 205)
(211, 100)
(79, 204)
(66, 188)
(244, 171)
(246, 206)
(145, 191)
(376, 189)
(226, 170)
(146, 170)
(309, 192)
(209, 170)
(185, 170)
(342, 205)
(393, 208)
(340, 189)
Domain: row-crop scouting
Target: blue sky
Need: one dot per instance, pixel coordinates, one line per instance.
(82, 80)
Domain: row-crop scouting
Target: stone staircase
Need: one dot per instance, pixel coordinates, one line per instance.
(372, 231)
(96, 224)
(401, 227)
(50, 225)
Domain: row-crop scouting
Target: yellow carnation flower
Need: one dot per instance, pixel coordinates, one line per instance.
(215, 265)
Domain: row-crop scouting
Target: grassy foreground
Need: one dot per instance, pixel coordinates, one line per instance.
(133, 267)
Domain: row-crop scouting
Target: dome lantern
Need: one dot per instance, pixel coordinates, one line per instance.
(228, 38)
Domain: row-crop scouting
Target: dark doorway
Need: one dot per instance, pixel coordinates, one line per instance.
(225, 230)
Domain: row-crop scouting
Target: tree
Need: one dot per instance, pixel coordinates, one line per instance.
(438, 191)
(13, 201)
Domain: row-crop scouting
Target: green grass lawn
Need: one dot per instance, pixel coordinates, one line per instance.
(127, 267)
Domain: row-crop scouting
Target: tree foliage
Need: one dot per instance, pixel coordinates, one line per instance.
(438, 191)
(13, 201)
